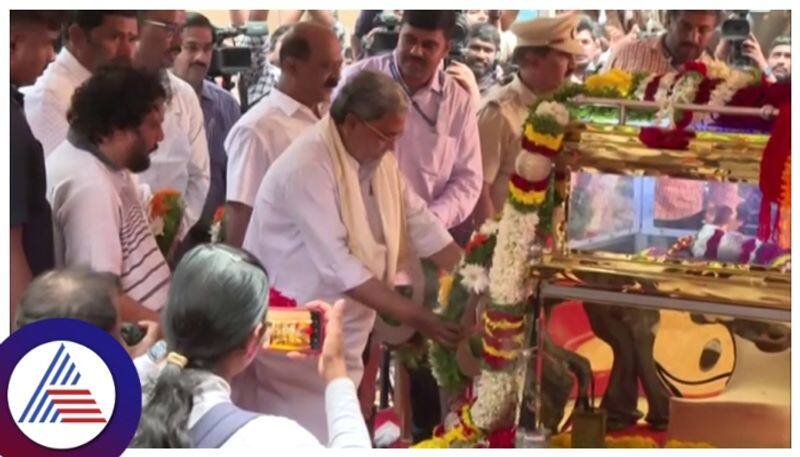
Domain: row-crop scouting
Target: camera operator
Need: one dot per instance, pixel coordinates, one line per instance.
(220, 112)
(775, 67)
(381, 37)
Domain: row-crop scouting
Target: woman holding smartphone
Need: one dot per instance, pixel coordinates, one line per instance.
(214, 325)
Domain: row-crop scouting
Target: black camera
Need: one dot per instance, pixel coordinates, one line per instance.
(736, 30)
(384, 35)
(458, 42)
(229, 60)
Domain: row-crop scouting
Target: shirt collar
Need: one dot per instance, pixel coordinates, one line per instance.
(436, 84)
(526, 96)
(72, 64)
(287, 104)
(80, 141)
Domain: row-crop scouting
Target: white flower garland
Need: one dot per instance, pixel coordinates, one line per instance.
(497, 399)
(554, 109)
(474, 278)
(509, 276)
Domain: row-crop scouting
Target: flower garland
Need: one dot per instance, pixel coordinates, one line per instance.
(470, 277)
(164, 212)
(217, 229)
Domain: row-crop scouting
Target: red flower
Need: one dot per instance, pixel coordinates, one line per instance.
(503, 438)
(496, 363)
(219, 213)
(475, 242)
(697, 66)
(530, 146)
(527, 186)
(278, 300)
(652, 87)
(496, 315)
(657, 138)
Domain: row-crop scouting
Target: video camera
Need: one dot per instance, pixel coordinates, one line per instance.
(384, 35)
(458, 42)
(228, 60)
(737, 29)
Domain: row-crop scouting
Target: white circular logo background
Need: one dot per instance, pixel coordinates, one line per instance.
(73, 370)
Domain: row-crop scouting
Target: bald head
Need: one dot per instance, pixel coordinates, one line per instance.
(77, 293)
(310, 60)
(306, 37)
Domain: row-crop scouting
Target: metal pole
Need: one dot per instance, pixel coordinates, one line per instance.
(765, 111)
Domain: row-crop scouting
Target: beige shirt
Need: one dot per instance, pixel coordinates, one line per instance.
(500, 121)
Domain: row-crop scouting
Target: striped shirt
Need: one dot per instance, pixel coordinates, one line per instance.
(100, 223)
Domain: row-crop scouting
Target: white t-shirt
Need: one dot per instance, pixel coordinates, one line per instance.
(98, 222)
(258, 138)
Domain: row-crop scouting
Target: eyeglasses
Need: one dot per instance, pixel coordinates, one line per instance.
(382, 136)
(171, 28)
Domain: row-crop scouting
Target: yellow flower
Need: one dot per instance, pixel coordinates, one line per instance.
(630, 442)
(502, 324)
(508, 355)
(543, 139)
(526, 198)
(616, 79)
(686, 444)
(445, 287)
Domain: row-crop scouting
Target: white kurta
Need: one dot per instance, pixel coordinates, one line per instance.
(181, 161)
(297, 233)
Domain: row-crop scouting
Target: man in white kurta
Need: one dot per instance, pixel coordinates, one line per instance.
(298, 231)
(181, 161)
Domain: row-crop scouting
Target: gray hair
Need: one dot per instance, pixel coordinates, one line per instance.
(369, 96)
(76, 293)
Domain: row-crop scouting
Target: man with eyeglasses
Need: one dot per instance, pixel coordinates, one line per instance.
(93, 38)
(310, 59)
(220, 113)
(334, 219)
(181, 161)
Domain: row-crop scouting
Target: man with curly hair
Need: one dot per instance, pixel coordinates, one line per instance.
(115, 124)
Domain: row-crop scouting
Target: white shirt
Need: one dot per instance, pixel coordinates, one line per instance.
(181, 161)
(48, 100)
(297, 233)
(258, 138)
(341, 409)
(98, 222)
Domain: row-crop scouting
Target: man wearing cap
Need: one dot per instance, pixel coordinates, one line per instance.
(545, 56)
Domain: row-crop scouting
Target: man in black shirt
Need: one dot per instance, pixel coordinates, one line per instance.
(32, 36)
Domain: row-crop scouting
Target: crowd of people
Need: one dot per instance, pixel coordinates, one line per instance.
(339, 165)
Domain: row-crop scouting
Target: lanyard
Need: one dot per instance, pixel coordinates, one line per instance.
(431, 121)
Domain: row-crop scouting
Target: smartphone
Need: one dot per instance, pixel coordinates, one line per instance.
(295, 329)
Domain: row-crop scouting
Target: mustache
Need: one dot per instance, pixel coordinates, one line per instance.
(199, 64)
(332, 83)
